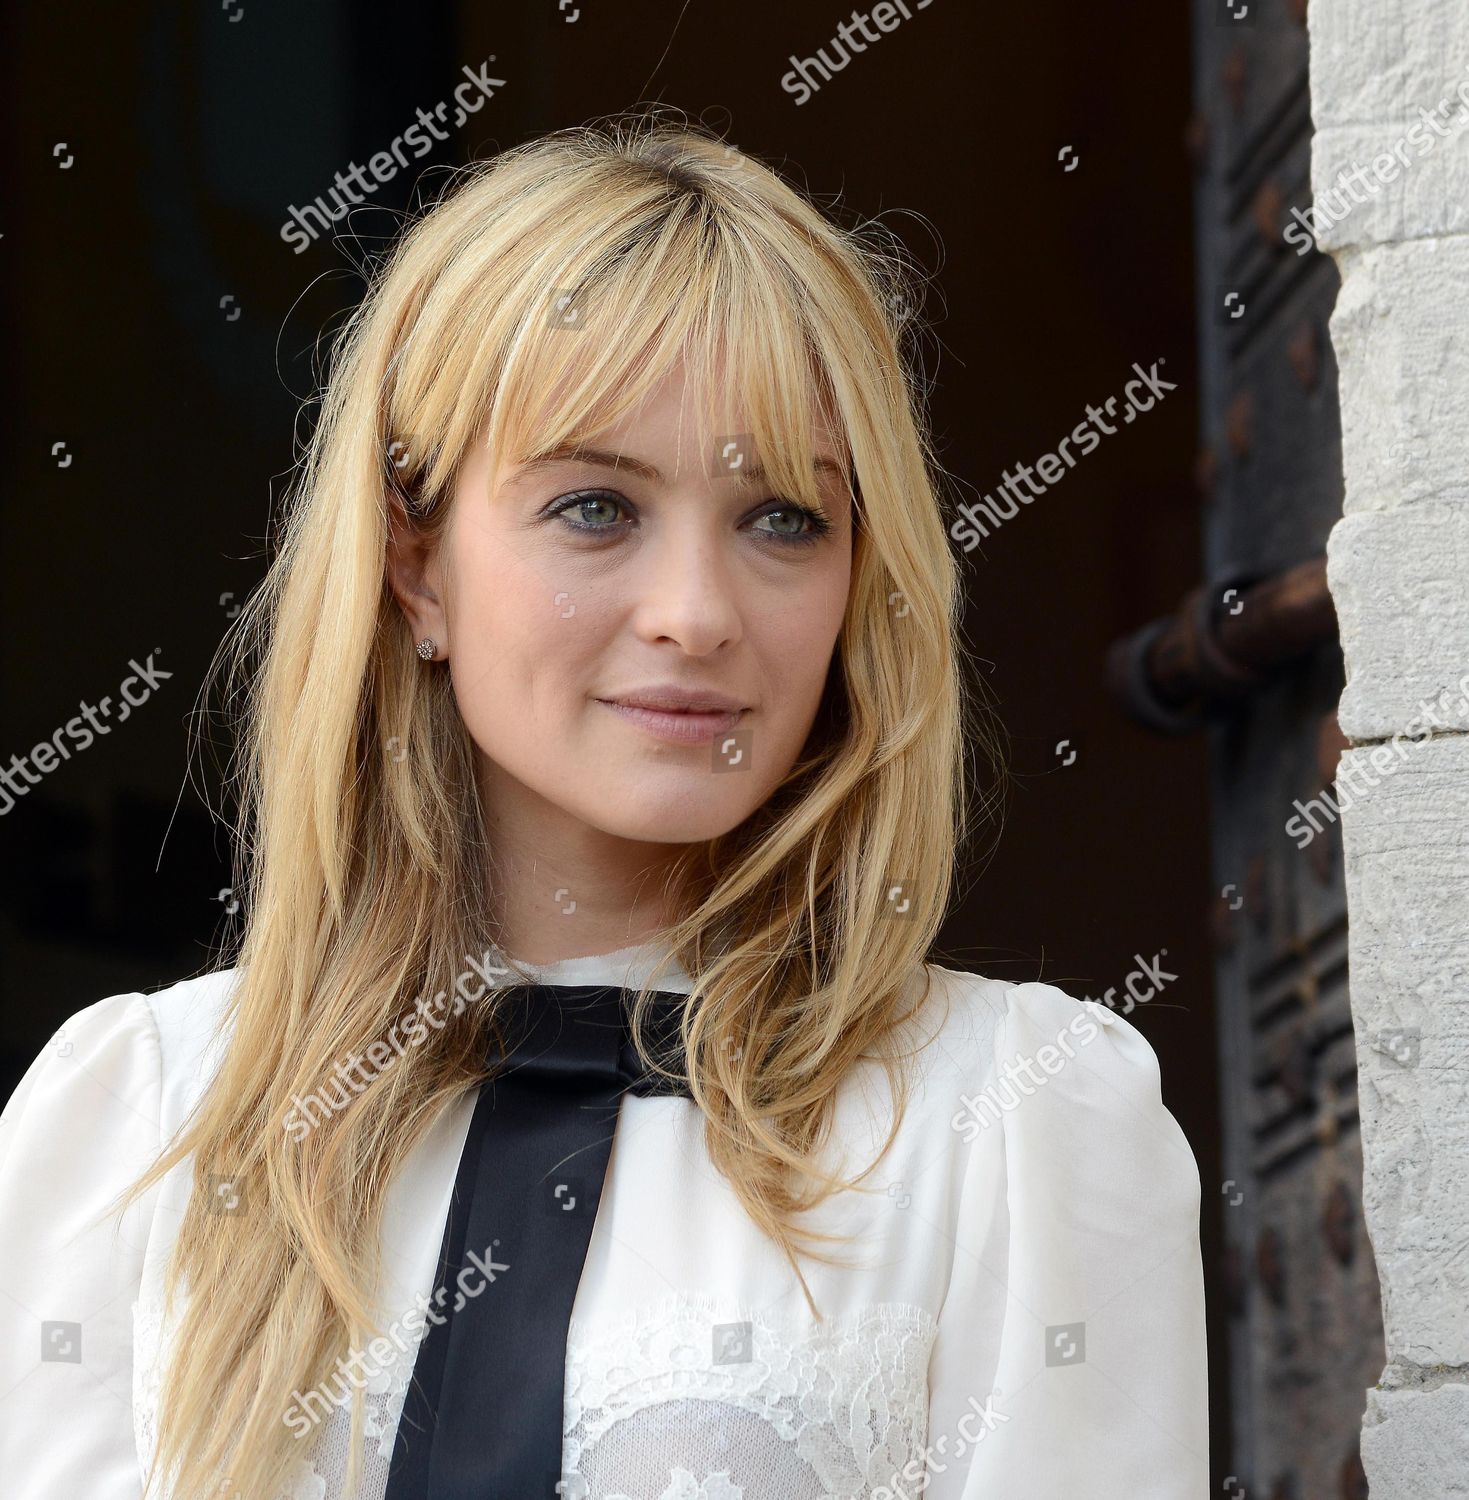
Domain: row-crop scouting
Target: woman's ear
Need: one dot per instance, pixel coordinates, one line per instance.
(413, 566)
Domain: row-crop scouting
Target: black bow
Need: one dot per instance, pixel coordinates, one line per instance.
(483, 1415)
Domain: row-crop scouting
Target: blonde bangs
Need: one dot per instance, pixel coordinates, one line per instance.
(558, 353)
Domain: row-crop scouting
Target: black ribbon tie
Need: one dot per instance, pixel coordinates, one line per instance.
(483, 1415)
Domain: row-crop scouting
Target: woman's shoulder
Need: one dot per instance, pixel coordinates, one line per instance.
(132, 1054)
(965, 1020)
(1032, 1062)
(192, 1021)
(969, 1020)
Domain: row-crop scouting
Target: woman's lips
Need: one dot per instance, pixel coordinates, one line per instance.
(678, 728)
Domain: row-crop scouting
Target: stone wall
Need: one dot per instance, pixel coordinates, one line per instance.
(1390, 184)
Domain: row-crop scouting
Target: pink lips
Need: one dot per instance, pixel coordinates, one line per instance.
(680, 716)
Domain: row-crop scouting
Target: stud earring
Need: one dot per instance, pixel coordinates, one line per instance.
(426, 648)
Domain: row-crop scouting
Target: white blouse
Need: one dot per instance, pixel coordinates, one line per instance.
(1023, 1315)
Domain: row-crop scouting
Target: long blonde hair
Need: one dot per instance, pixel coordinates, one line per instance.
(364, 860)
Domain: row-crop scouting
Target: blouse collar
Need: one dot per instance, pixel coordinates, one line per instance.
(628, 967)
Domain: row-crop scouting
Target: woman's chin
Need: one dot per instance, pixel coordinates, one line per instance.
(671, 810)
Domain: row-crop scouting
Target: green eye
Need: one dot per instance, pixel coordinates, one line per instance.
(582, 502)
(809, 525)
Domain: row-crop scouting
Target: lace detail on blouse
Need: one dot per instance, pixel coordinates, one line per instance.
(698, 1399)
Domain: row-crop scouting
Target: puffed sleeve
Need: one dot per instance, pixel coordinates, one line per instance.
(1070, 1357)
(82, 1124)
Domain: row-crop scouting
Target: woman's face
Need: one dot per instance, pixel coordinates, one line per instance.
(637, 574)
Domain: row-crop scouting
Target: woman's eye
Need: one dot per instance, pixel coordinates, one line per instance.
(590, 511)
(789, 521)
(795, 523)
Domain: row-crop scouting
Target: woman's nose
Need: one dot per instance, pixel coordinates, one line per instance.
(689, 588)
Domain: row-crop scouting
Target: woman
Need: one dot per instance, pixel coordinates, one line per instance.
(609, 656)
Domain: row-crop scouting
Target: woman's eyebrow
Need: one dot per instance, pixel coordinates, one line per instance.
(601, 458)
(598, 458)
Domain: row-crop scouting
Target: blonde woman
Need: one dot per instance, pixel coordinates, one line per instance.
(579, 1115)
